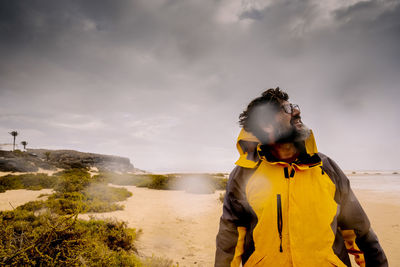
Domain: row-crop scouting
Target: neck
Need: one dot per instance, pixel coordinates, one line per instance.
(286, 152)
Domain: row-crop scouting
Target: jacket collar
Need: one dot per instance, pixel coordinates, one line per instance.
(252, 152)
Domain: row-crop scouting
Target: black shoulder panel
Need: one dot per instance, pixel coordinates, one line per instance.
(336, 175)
(240, 209)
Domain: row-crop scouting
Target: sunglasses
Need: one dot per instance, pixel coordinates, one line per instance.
(289, 108)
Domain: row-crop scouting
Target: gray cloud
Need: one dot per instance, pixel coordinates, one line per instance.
(163, 82)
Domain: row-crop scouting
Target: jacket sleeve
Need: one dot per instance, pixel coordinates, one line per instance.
(230, 237)
(352, 218)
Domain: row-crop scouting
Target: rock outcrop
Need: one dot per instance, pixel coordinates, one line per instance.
(34, 159)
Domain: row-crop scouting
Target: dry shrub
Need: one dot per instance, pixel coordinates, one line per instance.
(49, 240)
(155, 261)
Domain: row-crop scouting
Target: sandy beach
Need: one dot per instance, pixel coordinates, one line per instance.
(383, 210)
(182, 226)
(177, 225)
(14, 198)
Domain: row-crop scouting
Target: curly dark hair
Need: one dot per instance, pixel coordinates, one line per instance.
(270, 98)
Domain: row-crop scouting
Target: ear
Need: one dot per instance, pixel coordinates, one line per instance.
(269, 131)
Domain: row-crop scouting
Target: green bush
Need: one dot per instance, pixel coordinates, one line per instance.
(48, 240)
(77, 192)
(155, 261)
(106, 193)
(115, 178)
(99, 198)
(10, 182)
(67, 203)
(220, 183)
(124, 179)
(33, 205)
(41, 180)
(159, 182)
(73, 180)
(102, 198)
(28, 181)
(101, 206)
(168, 181)
(222, 197)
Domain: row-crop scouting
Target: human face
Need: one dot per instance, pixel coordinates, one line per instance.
(288, 126)
(295, 114)
(289, 115)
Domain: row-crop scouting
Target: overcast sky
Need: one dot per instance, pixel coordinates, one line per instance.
(163, 81)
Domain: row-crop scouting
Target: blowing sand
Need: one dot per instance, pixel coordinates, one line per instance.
(182, 226)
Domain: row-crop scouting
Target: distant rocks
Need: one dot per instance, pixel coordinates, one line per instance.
(18, 161)
(34, 159)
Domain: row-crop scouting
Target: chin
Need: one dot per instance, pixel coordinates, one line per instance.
(302, 133)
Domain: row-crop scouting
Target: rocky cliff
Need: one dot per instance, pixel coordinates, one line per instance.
(34, 159)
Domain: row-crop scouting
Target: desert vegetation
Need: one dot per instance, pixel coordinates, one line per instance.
(27, 181)
(24, 143)
(49, 233)
(14, 134)
(75, 192)
(53, 240)
(194, 183)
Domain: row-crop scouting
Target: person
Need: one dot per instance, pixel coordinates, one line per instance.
(285, 203)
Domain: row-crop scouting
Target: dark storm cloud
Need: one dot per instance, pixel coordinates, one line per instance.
(66, 25)
(374, 25)
(106, 41)
(251, 14)
(360, 41)
(369, 36)
(45, 22)
(157, 80)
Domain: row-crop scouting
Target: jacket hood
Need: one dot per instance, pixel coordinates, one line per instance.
(249, 147)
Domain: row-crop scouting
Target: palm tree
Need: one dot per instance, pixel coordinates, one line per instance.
(14, 134)
(24, 143)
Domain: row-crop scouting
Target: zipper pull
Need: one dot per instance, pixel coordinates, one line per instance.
(280, 223)
(292, 173)
(286, 172)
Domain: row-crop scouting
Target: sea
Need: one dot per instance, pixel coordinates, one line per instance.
(375, 181)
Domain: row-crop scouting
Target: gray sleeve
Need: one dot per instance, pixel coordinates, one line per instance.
(353, 217)
(227, 238)
(232, 217)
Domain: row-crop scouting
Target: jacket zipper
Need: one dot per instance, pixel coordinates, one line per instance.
(279, 204)
(280, 223)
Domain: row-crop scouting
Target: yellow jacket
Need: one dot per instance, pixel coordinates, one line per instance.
(299, 214)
